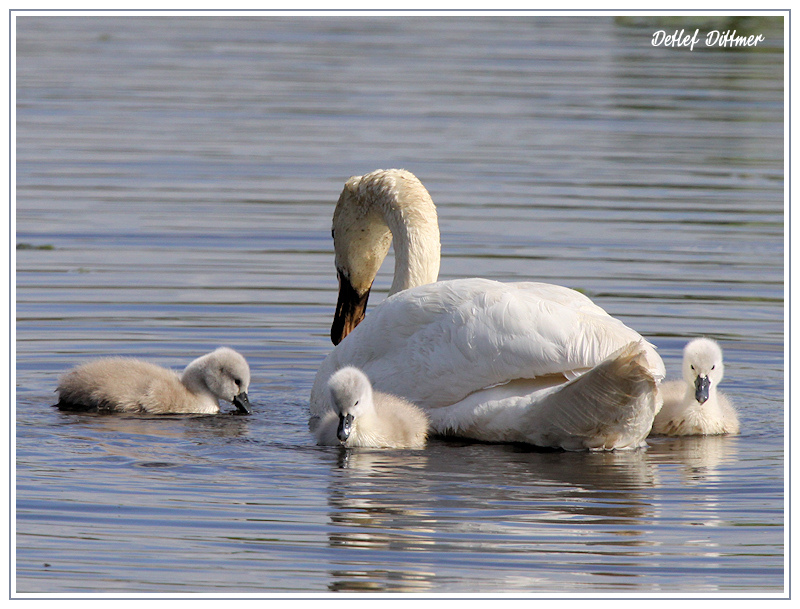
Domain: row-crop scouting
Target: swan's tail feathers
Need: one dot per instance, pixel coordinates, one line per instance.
(611, 406)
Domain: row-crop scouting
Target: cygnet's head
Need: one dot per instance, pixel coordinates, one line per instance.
(226, 375)
(351, 397)
(702, 366)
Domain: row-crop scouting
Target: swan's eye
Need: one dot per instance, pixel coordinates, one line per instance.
(238, 382)
(714, 366)
(692, 367)
(356, 403)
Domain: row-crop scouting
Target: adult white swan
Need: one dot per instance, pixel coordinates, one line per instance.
(518, 362)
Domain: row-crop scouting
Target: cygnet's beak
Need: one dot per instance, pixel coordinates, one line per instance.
(701, 385)
(345, 427)
(242, 403)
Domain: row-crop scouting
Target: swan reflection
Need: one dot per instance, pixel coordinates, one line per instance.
(699, 458)
(474, 498)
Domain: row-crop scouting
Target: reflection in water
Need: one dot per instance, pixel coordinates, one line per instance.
(699, 457)
(699, 460)
(509, 502)
(513, 506)
(151, 439)
(370, 512)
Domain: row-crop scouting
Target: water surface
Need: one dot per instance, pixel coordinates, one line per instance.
(176, 178)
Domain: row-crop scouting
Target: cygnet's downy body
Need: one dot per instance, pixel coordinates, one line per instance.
(131, 385)
(694, 406)
(365, 418)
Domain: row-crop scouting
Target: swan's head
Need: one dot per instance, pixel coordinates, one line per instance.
(361, 240)
(371, 210)
(225, 374)
(702, 366)
(351, 397)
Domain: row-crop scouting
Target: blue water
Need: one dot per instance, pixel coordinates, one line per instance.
(176, 178)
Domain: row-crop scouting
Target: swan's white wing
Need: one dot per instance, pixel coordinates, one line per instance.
(610, 406)
(438, 343)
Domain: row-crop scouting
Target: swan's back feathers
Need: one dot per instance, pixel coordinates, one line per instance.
(594, 411)
(610, 406)
(457, 337)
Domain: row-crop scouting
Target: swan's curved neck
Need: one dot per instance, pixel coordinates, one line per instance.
(373, 210)
(416, 247)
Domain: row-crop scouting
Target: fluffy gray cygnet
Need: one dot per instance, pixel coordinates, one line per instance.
(365, 418)
(131, 385)
(693, 406)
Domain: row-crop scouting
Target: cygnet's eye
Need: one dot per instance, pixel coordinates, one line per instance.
(714, 366)
(238, 382)
(356, 403)
(692, 367)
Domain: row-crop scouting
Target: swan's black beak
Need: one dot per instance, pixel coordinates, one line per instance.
(701, 385)
(345, 426)
(350, 309)
(242, 403)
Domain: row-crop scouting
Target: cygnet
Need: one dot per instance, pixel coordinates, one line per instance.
(131, 385)
(693, 406)
(365, 418)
